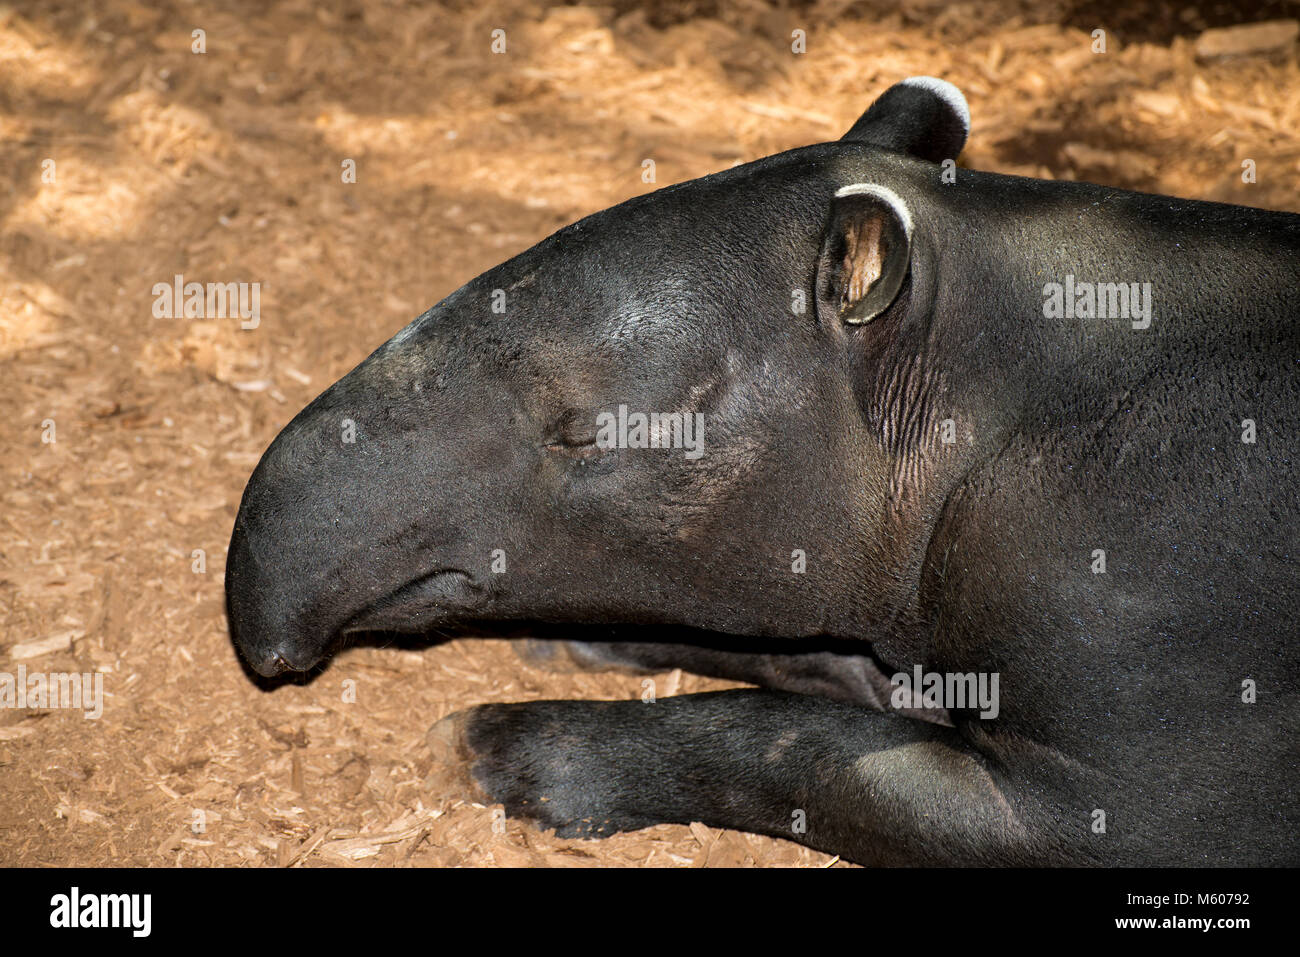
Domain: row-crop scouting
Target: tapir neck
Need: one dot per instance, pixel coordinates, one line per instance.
(1039, 303)
(1067, 292)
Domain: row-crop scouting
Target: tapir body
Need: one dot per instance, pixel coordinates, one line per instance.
(937, 438)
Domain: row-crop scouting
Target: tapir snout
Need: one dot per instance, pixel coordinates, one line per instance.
(351, 520)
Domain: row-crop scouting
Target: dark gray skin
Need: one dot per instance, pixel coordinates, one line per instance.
(1120, 692)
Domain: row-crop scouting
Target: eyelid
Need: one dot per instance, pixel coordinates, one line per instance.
(574, 450)
(574, 427)
(565, 442)
(573, 433)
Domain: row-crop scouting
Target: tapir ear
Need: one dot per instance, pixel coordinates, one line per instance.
(865, 253)
(923, 116)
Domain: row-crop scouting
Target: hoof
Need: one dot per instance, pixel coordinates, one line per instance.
(452, 758)
(446, 739)
(568, 657)
(544, 655)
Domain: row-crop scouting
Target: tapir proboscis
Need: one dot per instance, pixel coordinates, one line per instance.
(988, 484)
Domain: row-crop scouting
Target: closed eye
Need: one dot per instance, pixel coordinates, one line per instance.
(575, 448)
(574, 433)
(587, 449)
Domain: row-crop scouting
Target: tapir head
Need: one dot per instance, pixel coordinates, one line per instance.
(653, 416)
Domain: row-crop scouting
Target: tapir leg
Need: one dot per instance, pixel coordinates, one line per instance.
(855, 679)
(875, 788)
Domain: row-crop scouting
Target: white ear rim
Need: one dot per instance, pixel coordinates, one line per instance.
(885, 195)
(945, 91)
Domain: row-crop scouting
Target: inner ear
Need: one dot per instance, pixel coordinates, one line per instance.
(866, 253)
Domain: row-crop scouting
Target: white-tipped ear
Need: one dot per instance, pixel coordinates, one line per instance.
(866, 253)
(951, 96)
(885, 195)
(923, 116)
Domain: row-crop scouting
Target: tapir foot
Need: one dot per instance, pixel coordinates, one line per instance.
(537, 760)
(873, 787)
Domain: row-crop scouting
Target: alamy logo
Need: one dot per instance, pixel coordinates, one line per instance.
(54, 690)
(103, 910)
(651, 430)
(1098, 300)
(179, 299)
(952, 690)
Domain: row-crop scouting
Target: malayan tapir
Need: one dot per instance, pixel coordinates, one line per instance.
(988, 483)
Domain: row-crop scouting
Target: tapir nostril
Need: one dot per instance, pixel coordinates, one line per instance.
(273, 665)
